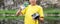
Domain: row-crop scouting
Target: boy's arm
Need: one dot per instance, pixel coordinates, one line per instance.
(18, 12)
(41, 14)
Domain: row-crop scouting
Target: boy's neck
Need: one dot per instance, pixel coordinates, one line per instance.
(33, 4)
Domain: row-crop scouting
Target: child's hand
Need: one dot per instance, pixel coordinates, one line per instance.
(41, 19)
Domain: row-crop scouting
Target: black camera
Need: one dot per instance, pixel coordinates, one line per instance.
(35, 16)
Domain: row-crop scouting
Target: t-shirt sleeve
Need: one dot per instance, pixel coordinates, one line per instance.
(40, 11)
(24, 11)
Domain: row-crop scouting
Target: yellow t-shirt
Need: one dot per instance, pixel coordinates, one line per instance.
(28, 11)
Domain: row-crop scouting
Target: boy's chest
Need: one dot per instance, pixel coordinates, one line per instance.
(32, 10)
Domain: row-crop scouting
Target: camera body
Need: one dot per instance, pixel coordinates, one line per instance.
(35, 16)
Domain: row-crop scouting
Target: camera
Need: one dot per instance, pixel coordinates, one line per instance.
(35, 16)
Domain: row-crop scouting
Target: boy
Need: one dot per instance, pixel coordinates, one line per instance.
(30, 10)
